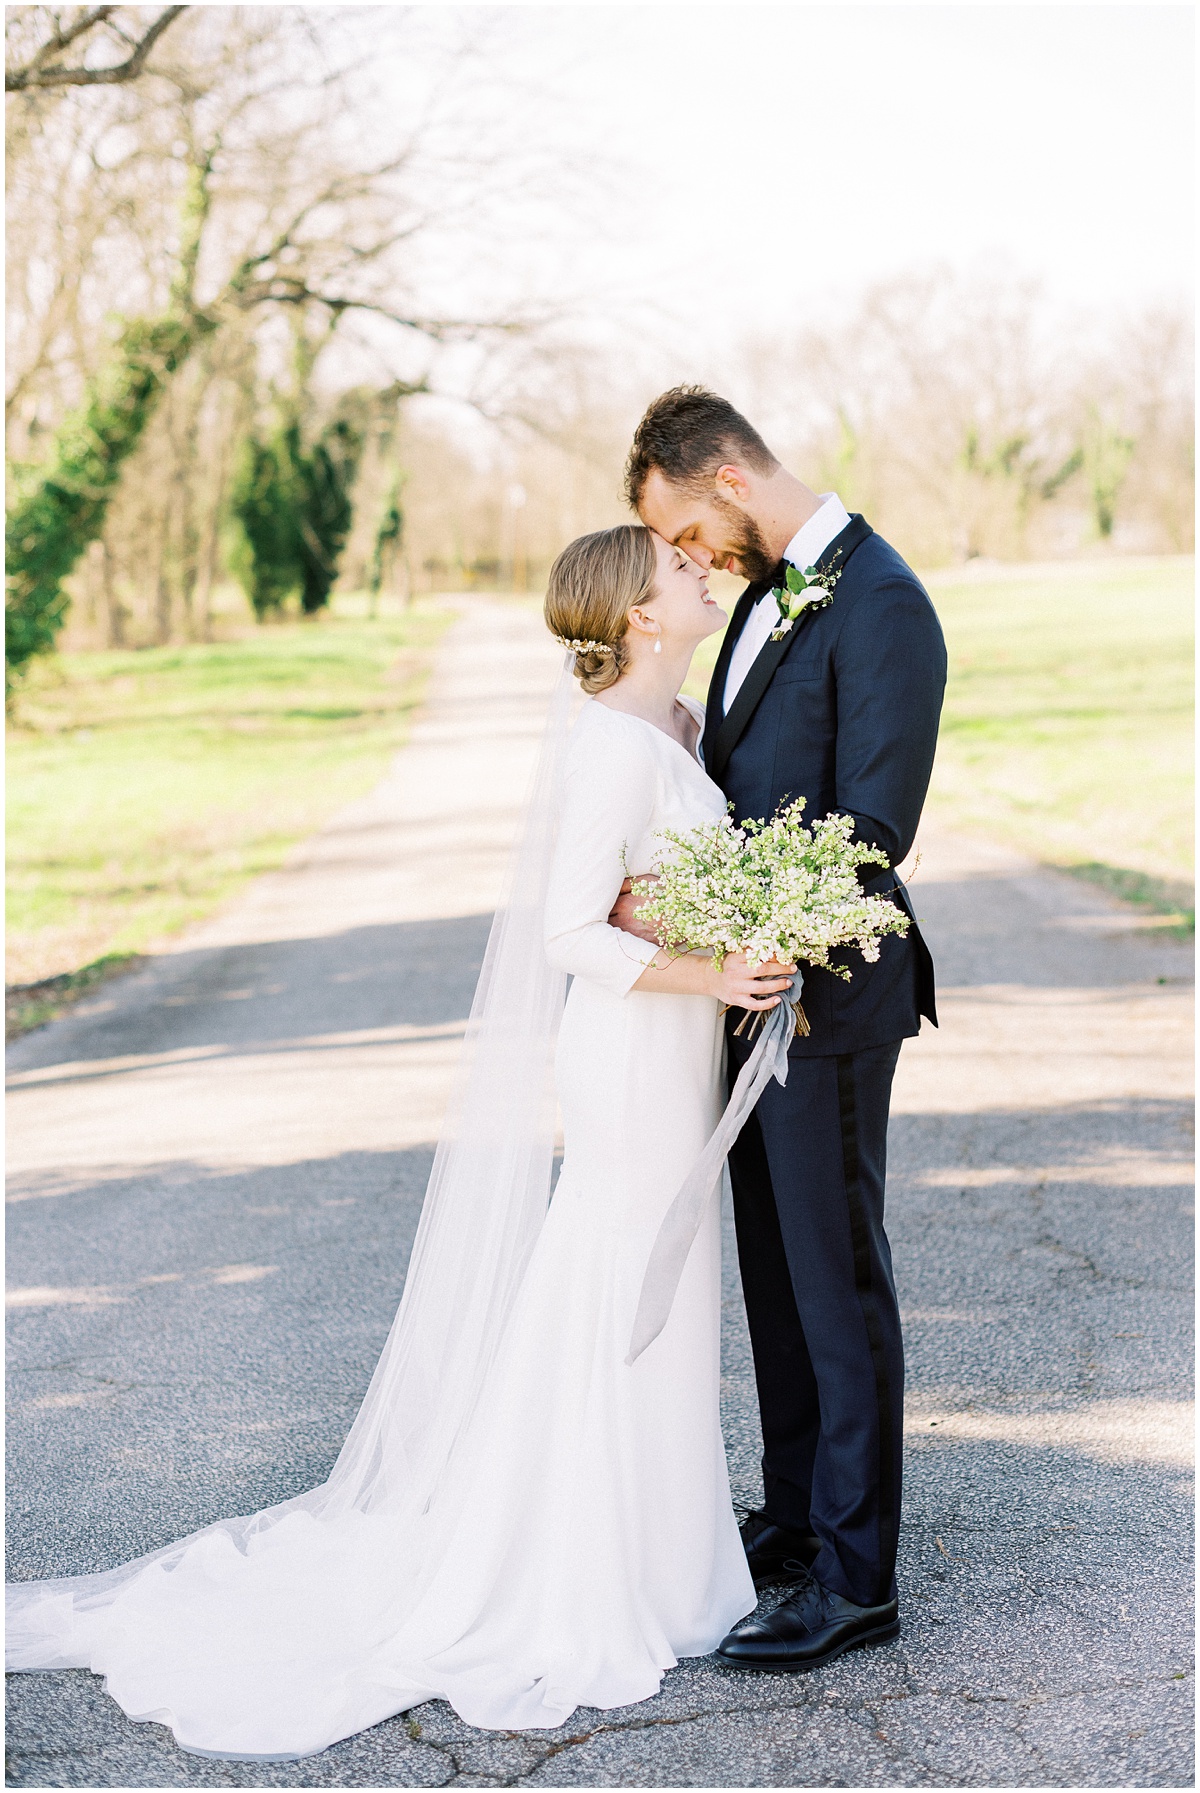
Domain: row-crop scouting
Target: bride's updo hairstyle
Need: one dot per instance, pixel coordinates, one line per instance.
(593, 585)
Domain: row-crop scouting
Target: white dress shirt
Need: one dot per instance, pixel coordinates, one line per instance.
(809, 542)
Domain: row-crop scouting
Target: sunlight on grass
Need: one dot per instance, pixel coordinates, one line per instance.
(145, 786)
(1067, 728)
(1068, 720)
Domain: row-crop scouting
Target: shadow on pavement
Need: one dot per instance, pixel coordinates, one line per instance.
(188, 1343)
(244, 998)
(161, 1381)
(1038, 1262)
(1040, 930)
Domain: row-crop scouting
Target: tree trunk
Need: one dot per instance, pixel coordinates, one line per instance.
(118, 615)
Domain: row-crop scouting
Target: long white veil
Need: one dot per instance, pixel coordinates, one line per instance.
(486, 1200)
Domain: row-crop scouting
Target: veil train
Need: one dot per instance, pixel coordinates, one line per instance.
(487, 1197)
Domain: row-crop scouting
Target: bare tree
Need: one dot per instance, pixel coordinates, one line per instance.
(82, 28)
(968, 420)
(231, 185)
(963, 415)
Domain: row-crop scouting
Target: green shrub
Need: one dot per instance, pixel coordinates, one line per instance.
(263, 505)
(293, 512)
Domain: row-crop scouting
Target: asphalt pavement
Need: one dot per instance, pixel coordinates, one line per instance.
(216, 1168)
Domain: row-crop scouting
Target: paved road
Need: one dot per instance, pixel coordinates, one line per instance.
(216, 1169)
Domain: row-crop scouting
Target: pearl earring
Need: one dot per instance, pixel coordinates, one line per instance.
(658, 644)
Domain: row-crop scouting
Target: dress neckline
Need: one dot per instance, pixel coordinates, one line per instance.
(661, 732)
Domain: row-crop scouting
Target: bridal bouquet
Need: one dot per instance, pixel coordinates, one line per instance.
(771, 890)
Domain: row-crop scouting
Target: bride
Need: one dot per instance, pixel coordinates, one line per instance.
(520, 1521)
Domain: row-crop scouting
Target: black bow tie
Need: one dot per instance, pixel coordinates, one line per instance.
(775, 581)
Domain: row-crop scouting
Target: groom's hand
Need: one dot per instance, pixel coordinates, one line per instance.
(623, 915)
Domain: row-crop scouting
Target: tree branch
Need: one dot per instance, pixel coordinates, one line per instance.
(285, 289)
(38, 73)
(338, 191)
(60, 39)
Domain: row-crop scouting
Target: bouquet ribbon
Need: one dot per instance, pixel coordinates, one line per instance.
(681, 1223)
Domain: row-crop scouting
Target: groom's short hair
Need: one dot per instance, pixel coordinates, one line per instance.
(687, 433)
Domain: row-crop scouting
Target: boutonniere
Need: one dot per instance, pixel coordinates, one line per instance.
(805, 591)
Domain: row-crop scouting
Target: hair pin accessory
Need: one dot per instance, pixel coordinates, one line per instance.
(583, 647)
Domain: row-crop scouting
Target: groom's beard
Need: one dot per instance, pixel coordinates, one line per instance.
(745, 542)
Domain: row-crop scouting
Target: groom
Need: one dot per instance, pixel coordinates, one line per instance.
(841, 709)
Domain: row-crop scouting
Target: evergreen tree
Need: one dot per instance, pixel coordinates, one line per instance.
(293, 510)
(262, 503)
(324, 484)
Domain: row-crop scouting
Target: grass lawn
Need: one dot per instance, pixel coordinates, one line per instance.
(145, 786)
(1068, 720)
(1067, 728)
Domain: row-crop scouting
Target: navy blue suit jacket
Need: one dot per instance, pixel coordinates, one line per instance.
(843, 711)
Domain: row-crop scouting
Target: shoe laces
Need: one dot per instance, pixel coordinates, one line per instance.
(807, 1592)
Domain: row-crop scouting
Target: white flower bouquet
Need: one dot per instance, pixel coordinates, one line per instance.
(771, 890)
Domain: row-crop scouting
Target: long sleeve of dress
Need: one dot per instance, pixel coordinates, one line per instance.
(608, 800)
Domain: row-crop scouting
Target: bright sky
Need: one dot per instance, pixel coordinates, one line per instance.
(775, 157)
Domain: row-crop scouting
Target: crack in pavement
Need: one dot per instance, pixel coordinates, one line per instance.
(1033, 1214)
(869, 1716)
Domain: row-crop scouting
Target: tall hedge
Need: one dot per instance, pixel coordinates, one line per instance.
(293, 509)
(325, 479)
(263, 505)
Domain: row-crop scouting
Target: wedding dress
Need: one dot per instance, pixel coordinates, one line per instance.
(521, 1522)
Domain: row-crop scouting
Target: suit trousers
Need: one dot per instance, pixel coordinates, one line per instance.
(808, 1183)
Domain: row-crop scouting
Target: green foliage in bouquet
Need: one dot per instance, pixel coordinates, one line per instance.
(771, 890)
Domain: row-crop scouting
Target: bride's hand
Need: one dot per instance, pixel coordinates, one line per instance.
(743, 986)
(624, 911)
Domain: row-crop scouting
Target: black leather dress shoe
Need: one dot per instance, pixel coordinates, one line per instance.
(771, 1548)
(811, 1627)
